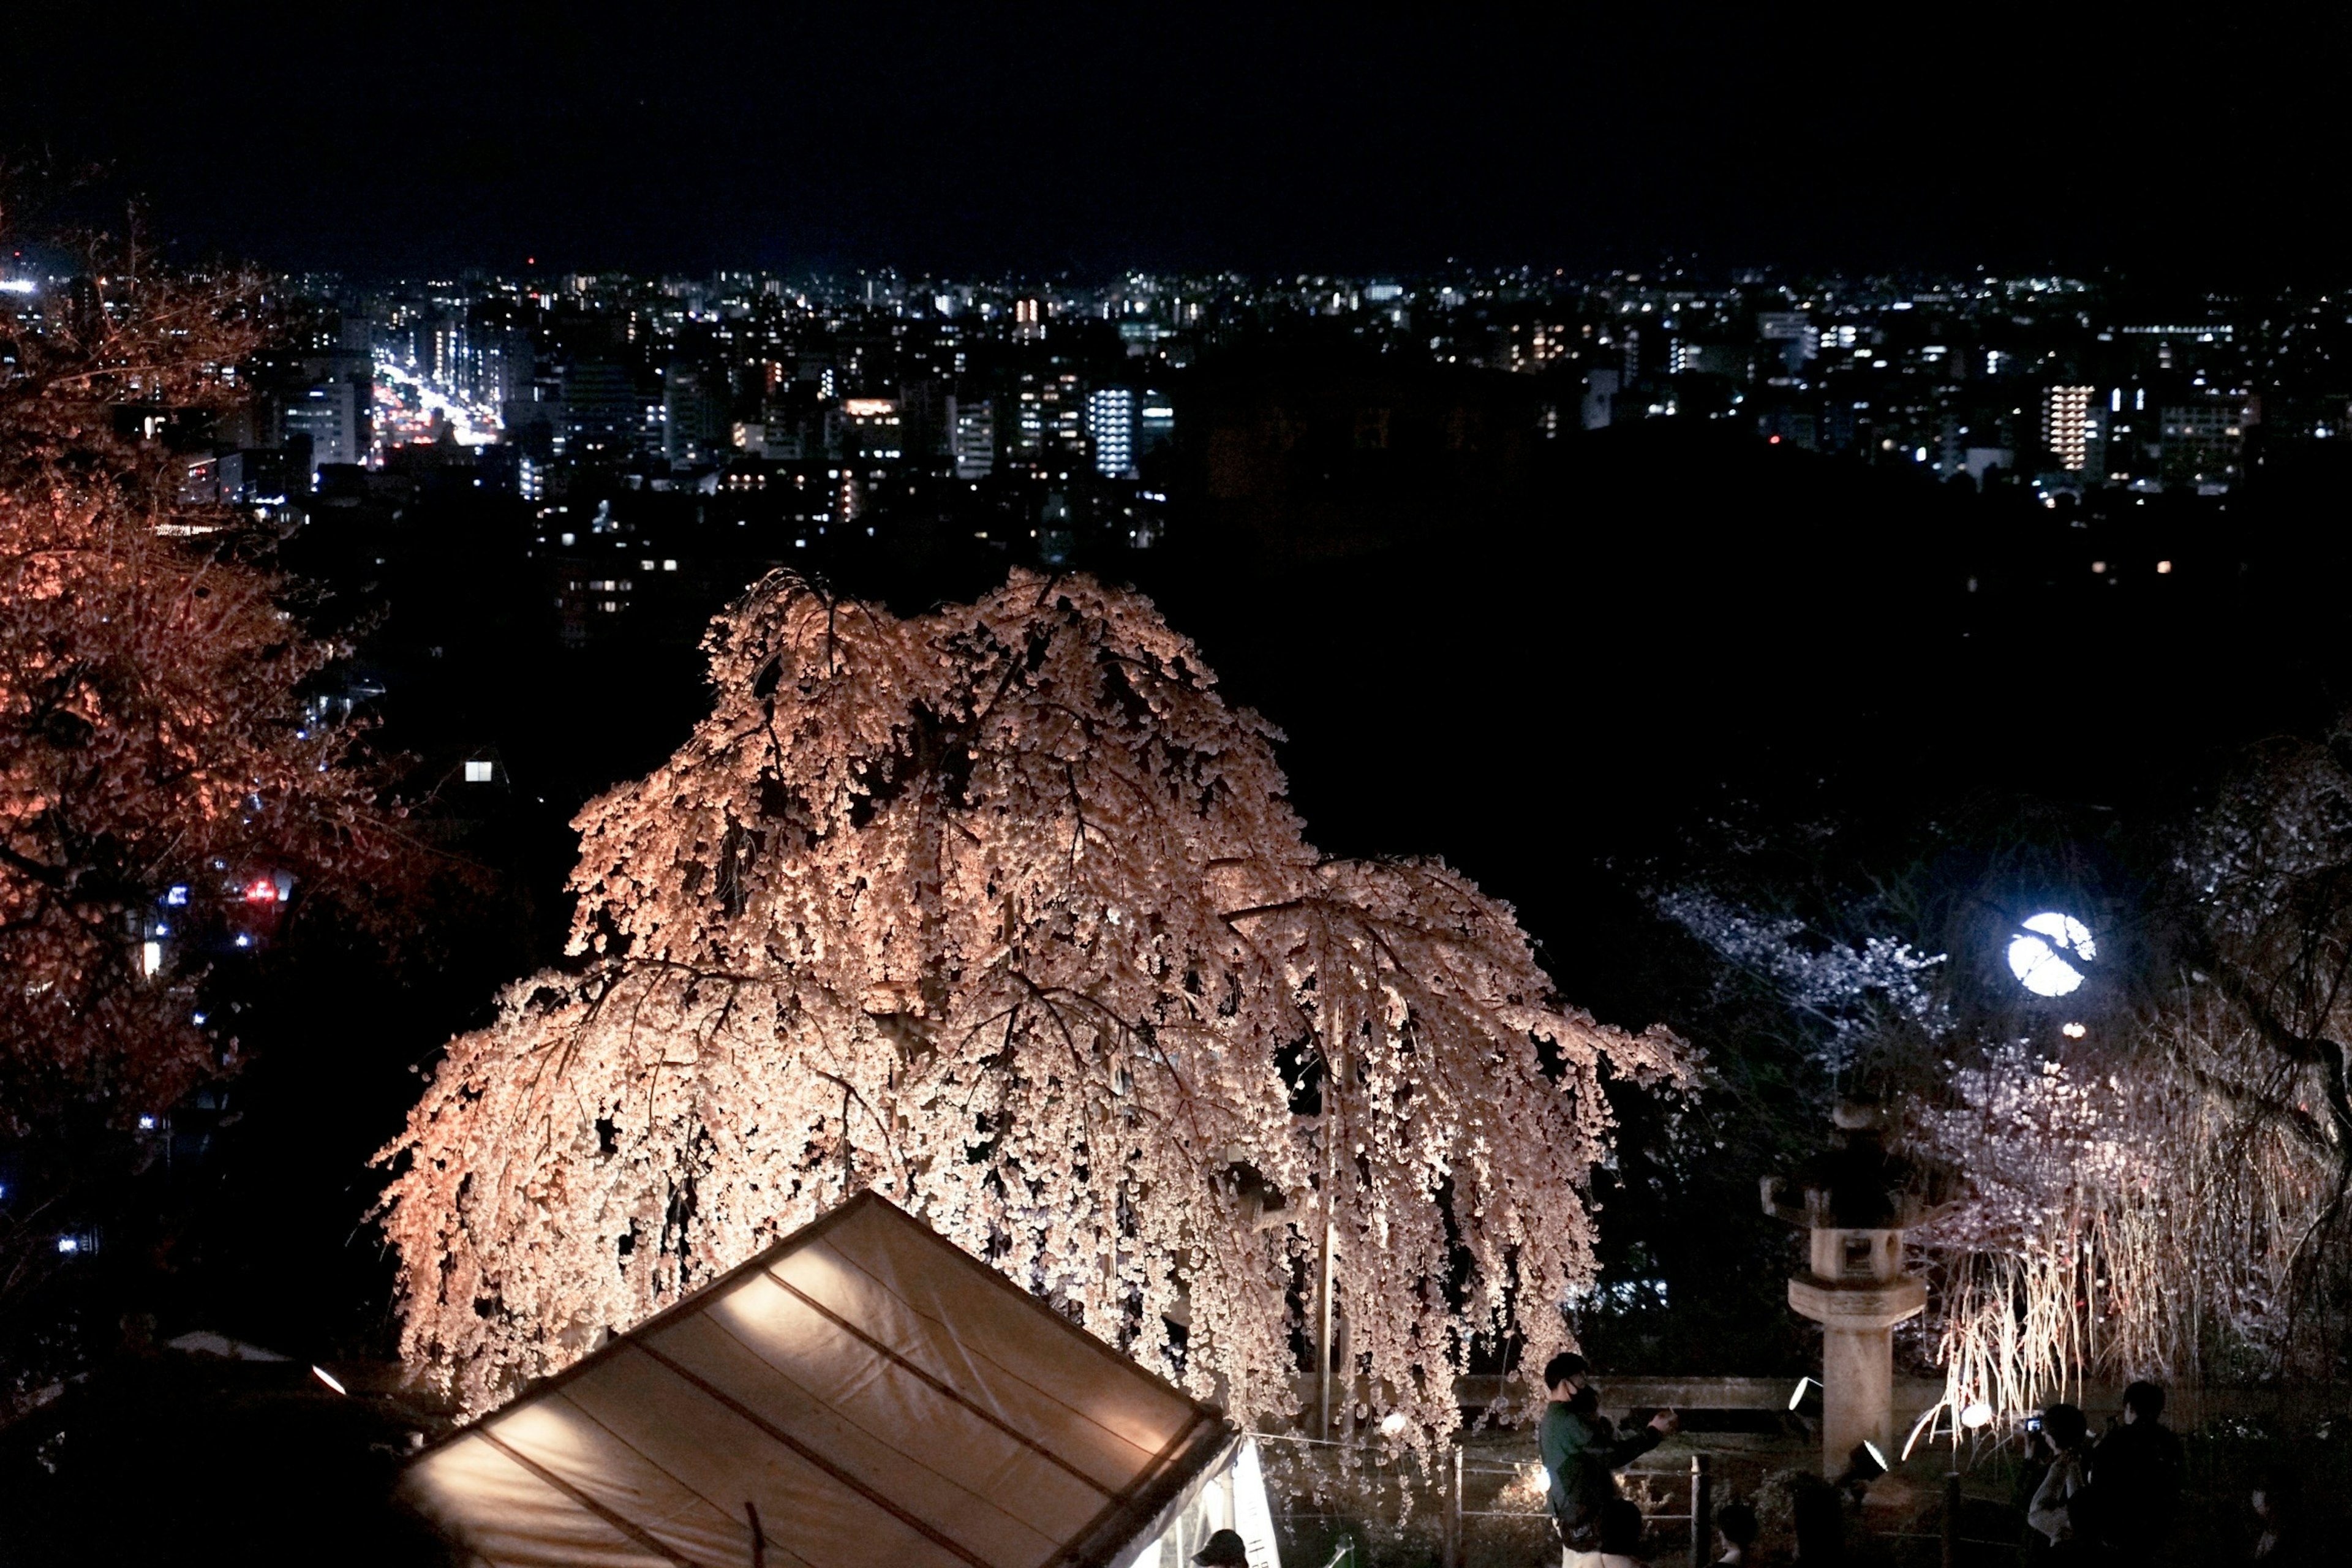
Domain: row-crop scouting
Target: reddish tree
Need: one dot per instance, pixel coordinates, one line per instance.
(152, 733)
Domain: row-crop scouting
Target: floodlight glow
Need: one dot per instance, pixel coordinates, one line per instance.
(1797, 1396)
(2039, 955)
(1977, 1417)
(1391, 1424)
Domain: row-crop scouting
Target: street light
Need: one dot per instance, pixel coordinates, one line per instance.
(2043, 954)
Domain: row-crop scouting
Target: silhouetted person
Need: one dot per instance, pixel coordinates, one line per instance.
(1820, 1520)
(2278, 1508)
(2066, 1435)
(1736, 1524)
(2086, 1545)
(1622, 1526)
(1581, 1449)
(2137, 1471)
(1225, 1549)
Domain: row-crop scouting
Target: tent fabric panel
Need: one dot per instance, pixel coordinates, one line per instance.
(1095, 1432)
(606, 1468)
(913, 1468)
(965, 1323)
(908, 1408)
(826, 1365)
(803, 1510)
(506, 1516)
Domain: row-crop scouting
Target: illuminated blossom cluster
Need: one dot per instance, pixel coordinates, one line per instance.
(1002, 911)
(1852, 987)
(2119, 1217)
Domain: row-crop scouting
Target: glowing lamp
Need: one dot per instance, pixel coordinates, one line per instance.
(1391, 1424)
(1977, 1417)
(2043, 954)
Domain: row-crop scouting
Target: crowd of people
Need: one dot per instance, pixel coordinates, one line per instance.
(2112, 1502)
(2115, 1501)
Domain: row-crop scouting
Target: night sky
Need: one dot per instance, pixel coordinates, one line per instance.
(975, 138)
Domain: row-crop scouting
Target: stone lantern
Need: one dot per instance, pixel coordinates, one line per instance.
(1854, 1206)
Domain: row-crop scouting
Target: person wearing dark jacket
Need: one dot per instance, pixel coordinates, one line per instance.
(1582, 1449)
(2137, 1470)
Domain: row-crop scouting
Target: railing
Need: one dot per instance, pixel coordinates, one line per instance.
(1694, 1483)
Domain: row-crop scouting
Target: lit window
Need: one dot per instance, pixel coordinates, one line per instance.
(478, 771)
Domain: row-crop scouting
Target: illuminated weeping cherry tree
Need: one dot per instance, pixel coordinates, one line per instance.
(1001, 911)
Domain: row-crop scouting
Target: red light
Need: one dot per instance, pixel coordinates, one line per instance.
(263, 891)
(1772, 440)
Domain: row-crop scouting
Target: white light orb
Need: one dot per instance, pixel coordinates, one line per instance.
(1393, 1422)
(2041, 955)
(1977, 1415)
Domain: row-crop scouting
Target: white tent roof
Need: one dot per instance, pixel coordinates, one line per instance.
(878, 1397)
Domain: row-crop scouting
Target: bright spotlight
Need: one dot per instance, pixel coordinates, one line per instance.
(1391, 1424)
(329, 1378)
(2041, 955)
(1797, 1395)
(1977, 1417)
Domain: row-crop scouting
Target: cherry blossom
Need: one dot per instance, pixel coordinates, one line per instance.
(1003, 911)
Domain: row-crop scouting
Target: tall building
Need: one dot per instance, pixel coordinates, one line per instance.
(2204, 442)
(694, 414)
(1110, 427)
(2068, 426)
(329, 413)
(972, 436)
(1155, 424)
(874, 434)
(600, 406)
